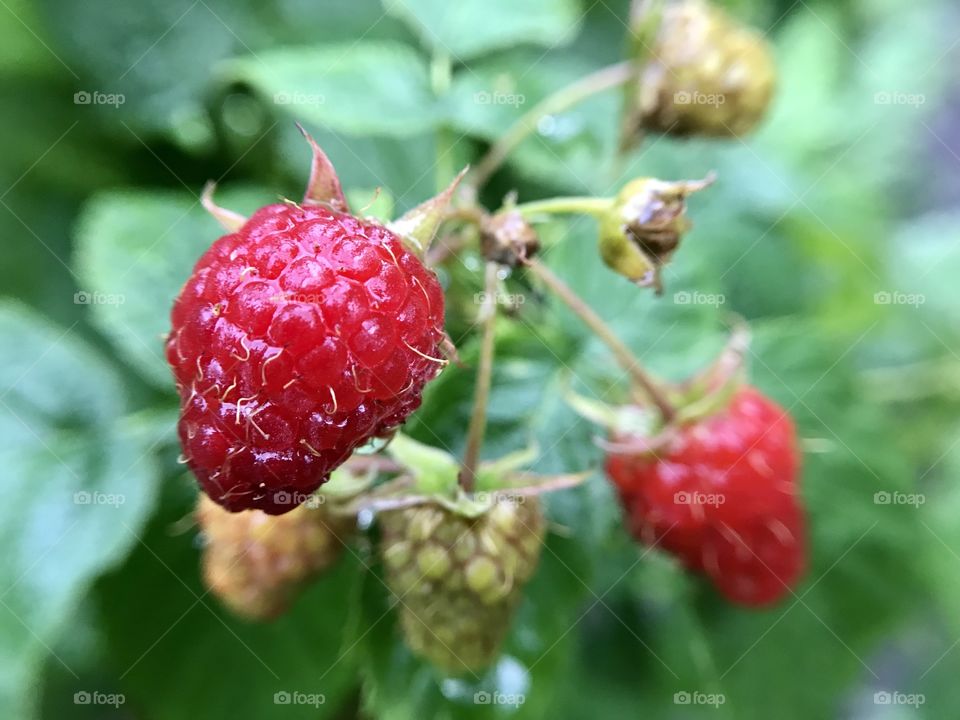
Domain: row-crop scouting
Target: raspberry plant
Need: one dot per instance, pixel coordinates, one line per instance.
(581, 381)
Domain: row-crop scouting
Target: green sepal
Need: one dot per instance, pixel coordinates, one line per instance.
(434, 471)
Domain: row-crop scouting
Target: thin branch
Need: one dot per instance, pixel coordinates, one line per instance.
(605, 79)
(622, 353)
(481, 396)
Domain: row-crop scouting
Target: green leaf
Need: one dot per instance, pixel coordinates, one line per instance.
(362, 88)
(298, 666)
(465, 30)
(22, 52)
(158, 54)
(78, 482)
(139, 54)
(134, 252)
(941, 501)
(926, 259)
(396, 686)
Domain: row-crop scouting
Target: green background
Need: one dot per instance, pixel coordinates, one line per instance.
(838, 197)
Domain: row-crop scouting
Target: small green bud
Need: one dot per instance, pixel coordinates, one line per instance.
(643, 227)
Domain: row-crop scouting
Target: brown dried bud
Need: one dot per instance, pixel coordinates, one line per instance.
(707, 74)
(507, 238)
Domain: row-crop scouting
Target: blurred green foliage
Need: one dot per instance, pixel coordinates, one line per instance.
(821, 231)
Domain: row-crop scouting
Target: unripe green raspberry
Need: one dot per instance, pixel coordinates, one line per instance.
(708, 74)
(256, 563)
(459, 578)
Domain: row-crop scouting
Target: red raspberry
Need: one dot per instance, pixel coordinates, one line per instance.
(721, 495)
(297, 338)
(758, 560)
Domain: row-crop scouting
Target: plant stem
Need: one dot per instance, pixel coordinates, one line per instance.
(622, 353)
(565, 98)
(565, 206)
(471, 214)
(481, 395)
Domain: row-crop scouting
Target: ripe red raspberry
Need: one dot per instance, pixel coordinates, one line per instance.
(721, 495)
(757, 560)
(297, 338)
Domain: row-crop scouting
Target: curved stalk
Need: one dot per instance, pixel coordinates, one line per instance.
(604, 79)
(481, 396)
(623, 354)
(565, 206)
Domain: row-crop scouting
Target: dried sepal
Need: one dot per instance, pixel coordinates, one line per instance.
(324, 187)
(228, 219)
(430, 475)
(419, 226)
